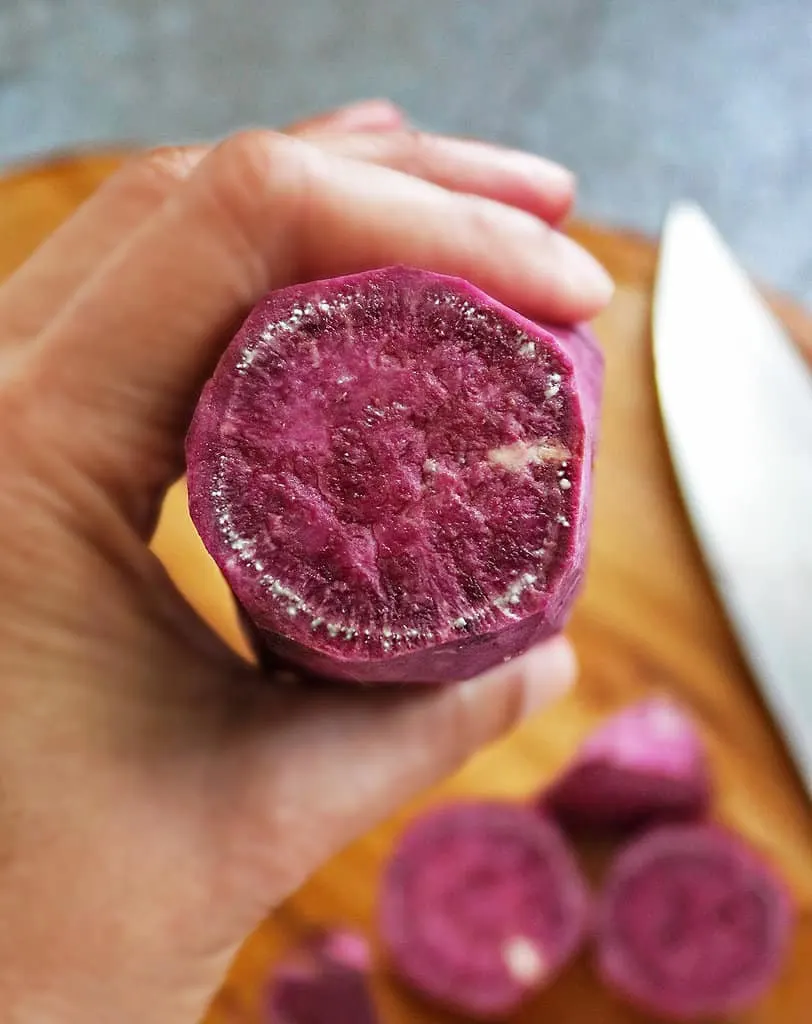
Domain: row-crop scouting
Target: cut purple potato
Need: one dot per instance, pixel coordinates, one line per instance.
(692, 923)
(324, 981)
(393, 472)
(482, 905)
(643, 764)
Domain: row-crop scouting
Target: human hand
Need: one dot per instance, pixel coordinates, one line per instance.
(157, 795)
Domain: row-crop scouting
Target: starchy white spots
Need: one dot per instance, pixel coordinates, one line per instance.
(513, 593)
(564, 484)
(246, 359)
(460, 623)
(553, 386)
(562, 520)
(521, 454)
(528, 350)
(431, 466)
(333, 628)
(523, 960)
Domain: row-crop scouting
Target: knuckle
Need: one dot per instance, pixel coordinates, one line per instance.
(157, 172)
(250, 164)
(417, 151)
(256, 179)
(173, 163)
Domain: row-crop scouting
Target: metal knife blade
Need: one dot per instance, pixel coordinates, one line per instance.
(736, 400)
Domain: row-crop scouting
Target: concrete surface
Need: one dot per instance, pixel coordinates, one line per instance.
(647, 100)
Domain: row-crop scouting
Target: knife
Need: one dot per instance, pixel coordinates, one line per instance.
(736, 401)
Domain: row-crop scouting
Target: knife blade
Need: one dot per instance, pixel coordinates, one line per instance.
(736, 401)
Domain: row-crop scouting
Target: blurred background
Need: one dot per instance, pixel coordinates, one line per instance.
(647, 101)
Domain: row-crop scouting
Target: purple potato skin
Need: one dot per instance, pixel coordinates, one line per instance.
(692, 924)
(509, 876)
(646, 764)
(323, 981)
(283, 626)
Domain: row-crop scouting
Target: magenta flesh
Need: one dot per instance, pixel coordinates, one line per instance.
(393, 472)
(482, 905)
(647, 763)
(324, 981)
(692, 924)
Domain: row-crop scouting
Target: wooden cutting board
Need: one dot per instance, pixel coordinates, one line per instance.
(648, 620)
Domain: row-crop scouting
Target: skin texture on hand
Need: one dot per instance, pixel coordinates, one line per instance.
(157, 795)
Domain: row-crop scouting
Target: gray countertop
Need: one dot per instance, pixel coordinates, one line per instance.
(647, 100)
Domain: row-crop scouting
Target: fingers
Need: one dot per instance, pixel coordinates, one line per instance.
(338, 763)
(518, 179)
(376, 115)
(123, 203)
(371, 131)
(125, 362)
(141, 186)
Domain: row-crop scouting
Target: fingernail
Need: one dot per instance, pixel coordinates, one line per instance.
(588, 278)
(549, 671)
(369, 115)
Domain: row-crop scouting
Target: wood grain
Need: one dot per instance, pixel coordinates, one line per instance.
(648, 620)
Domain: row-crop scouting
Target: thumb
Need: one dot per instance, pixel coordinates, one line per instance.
(336, 762)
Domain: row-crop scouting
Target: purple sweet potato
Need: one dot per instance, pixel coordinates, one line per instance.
(393, 472)
(647, 763)
(324, 981)
(482, 904)
(692, 923)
